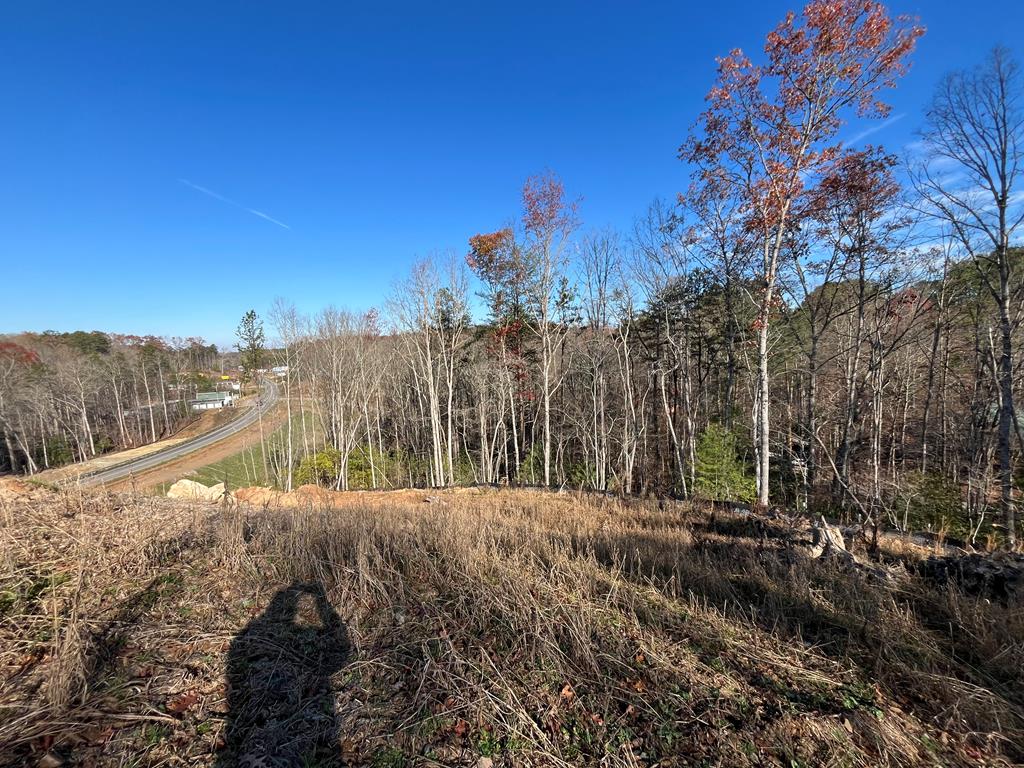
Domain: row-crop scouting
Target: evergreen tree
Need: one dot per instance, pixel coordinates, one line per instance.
(250, 343)
(720, 473)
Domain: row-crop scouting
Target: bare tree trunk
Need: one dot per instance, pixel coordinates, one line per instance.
(163, 396)
(933, 359)
(149, 400)
(1007, 422)
(761, 421)
(263, 441)
(119, 411)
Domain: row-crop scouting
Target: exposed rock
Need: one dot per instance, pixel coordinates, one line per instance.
(827, 541)
(193, 491)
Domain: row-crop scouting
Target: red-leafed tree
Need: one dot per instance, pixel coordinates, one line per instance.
(853, 218)
(497, 260)
(771, 128)
(16, 353)
(526, 284)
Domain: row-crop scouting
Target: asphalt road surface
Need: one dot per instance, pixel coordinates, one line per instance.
(143, 463)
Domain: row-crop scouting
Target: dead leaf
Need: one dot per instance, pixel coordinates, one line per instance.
(349, 750)
(182, 704)
(27, 660)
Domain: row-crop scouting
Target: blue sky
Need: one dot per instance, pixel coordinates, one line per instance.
(164, 167)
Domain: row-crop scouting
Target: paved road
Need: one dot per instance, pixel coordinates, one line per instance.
(143, 463)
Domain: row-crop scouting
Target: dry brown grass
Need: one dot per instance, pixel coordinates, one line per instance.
(535, 629)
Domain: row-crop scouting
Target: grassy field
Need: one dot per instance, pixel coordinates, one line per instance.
(245, 468)
(238, 471)
(496, 628)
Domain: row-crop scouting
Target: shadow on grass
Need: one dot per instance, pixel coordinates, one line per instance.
(280, 708)
(749, 574)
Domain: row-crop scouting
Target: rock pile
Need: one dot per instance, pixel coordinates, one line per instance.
(827, 541)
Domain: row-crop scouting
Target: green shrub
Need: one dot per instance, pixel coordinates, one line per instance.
(360, 475)
(580, 475)
(531, 469)
(319, 469)
(933, 503)
(59, 451)
(721, 475)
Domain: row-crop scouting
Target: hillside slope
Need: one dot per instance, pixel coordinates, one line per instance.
(494, 628)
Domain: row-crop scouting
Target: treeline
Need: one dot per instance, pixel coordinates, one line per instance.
(809, 324)
(68, 397)
(653, 393)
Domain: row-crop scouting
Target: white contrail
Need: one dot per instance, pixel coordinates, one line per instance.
(873, 129)
(229, 201)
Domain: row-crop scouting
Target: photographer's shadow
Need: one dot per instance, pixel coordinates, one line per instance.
(280, 707)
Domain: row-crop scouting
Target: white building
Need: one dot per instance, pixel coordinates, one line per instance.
(206, 401)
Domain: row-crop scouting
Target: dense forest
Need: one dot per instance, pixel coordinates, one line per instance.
(808, 324)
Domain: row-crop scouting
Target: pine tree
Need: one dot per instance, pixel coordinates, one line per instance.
(250, 343)
(720, 474)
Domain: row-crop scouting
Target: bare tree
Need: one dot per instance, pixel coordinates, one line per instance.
(969, 178)
(286, 321)
(548, 221)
